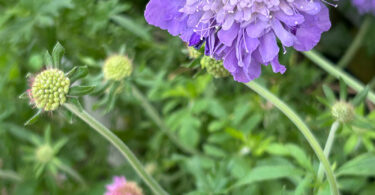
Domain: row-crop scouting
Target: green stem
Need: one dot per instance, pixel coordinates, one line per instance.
(336, 72)
(328, 147)
(10, 175)
(153, 114)
(354, 46)
(121, 146)
(302, 127)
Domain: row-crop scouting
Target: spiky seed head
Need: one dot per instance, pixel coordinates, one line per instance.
(343, 111)
(117, 67)
(194, 53)
(214, 67)
(44, 154)
(49, 89)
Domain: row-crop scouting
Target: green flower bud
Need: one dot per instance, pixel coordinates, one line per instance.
(49, 89)
(214, 67)
(44, 154)
(194, 53)
(343, 111)
(117, 67)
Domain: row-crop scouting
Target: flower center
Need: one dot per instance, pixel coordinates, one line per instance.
(49, 89)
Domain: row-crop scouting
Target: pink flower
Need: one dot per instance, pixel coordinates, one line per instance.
(121, 187)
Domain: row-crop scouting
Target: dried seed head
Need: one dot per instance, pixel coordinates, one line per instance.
(44, 154)
(343, 111)
(117, 67)
(49, 89)
(214, 67)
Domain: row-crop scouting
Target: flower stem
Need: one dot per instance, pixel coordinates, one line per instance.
(328, 147)
(336, 72)
(10, 175)
(354, 46)
(153, 114)
(121, 146)
(302, 127)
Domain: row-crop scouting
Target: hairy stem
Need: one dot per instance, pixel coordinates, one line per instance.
(302, 127)
(153, 114)
(327, 148)
(121, 146)
(336, 72)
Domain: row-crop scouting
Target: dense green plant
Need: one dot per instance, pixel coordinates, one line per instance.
(193, 133)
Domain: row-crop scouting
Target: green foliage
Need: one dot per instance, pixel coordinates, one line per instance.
(204, 135)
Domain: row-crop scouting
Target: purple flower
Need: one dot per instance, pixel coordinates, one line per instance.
(365, 6)
(243, 33)
(122, 187)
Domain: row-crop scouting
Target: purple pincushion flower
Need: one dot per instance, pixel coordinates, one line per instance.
(122, 187)
(243, 33)
(365, 6)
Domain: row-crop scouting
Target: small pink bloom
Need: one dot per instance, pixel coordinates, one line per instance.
(121, 187)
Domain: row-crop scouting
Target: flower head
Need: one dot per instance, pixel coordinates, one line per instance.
(44, 153)
(214, 67)
(343, 111)
(117, 67)
(243, 33)
(122, 187)
(365, 6)
(49, 89)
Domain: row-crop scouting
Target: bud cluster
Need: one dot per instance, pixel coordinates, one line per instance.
(117, 67)
(343, 111)
(49, 89)
(214, 67)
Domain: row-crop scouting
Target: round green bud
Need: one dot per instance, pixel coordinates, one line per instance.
(117, 67)
(343, 111)
(49, 89)
(214, 67)
(194, 53)
(44, 154)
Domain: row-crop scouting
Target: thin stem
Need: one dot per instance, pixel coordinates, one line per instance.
(302, 127)
(70, 172)
(10, 175)
(330, 68)
(121, 146)
(328, 147)
(153, 114)
(354, 46)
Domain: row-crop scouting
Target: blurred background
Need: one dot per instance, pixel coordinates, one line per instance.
(229, 130)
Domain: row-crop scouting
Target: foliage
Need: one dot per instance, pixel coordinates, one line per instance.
(206, 136)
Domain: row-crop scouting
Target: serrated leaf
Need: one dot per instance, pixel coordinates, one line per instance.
(57, 53)
(81, 90)
(363, 165)
(77, 73)
(361, 96)
(34, 118)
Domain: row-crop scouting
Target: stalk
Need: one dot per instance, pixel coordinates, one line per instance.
(302, 127)
(336, 72)
(121, 146)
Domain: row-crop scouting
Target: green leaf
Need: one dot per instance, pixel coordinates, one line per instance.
(264, 173)
(361, 96)
(329, 94)
(214, 151)
(77, 73)
(350, 144)
(343, 90)
(57, 53)
(34, 118)
(81, 90)
(48, 60)
(363, 165)
(131, 26)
